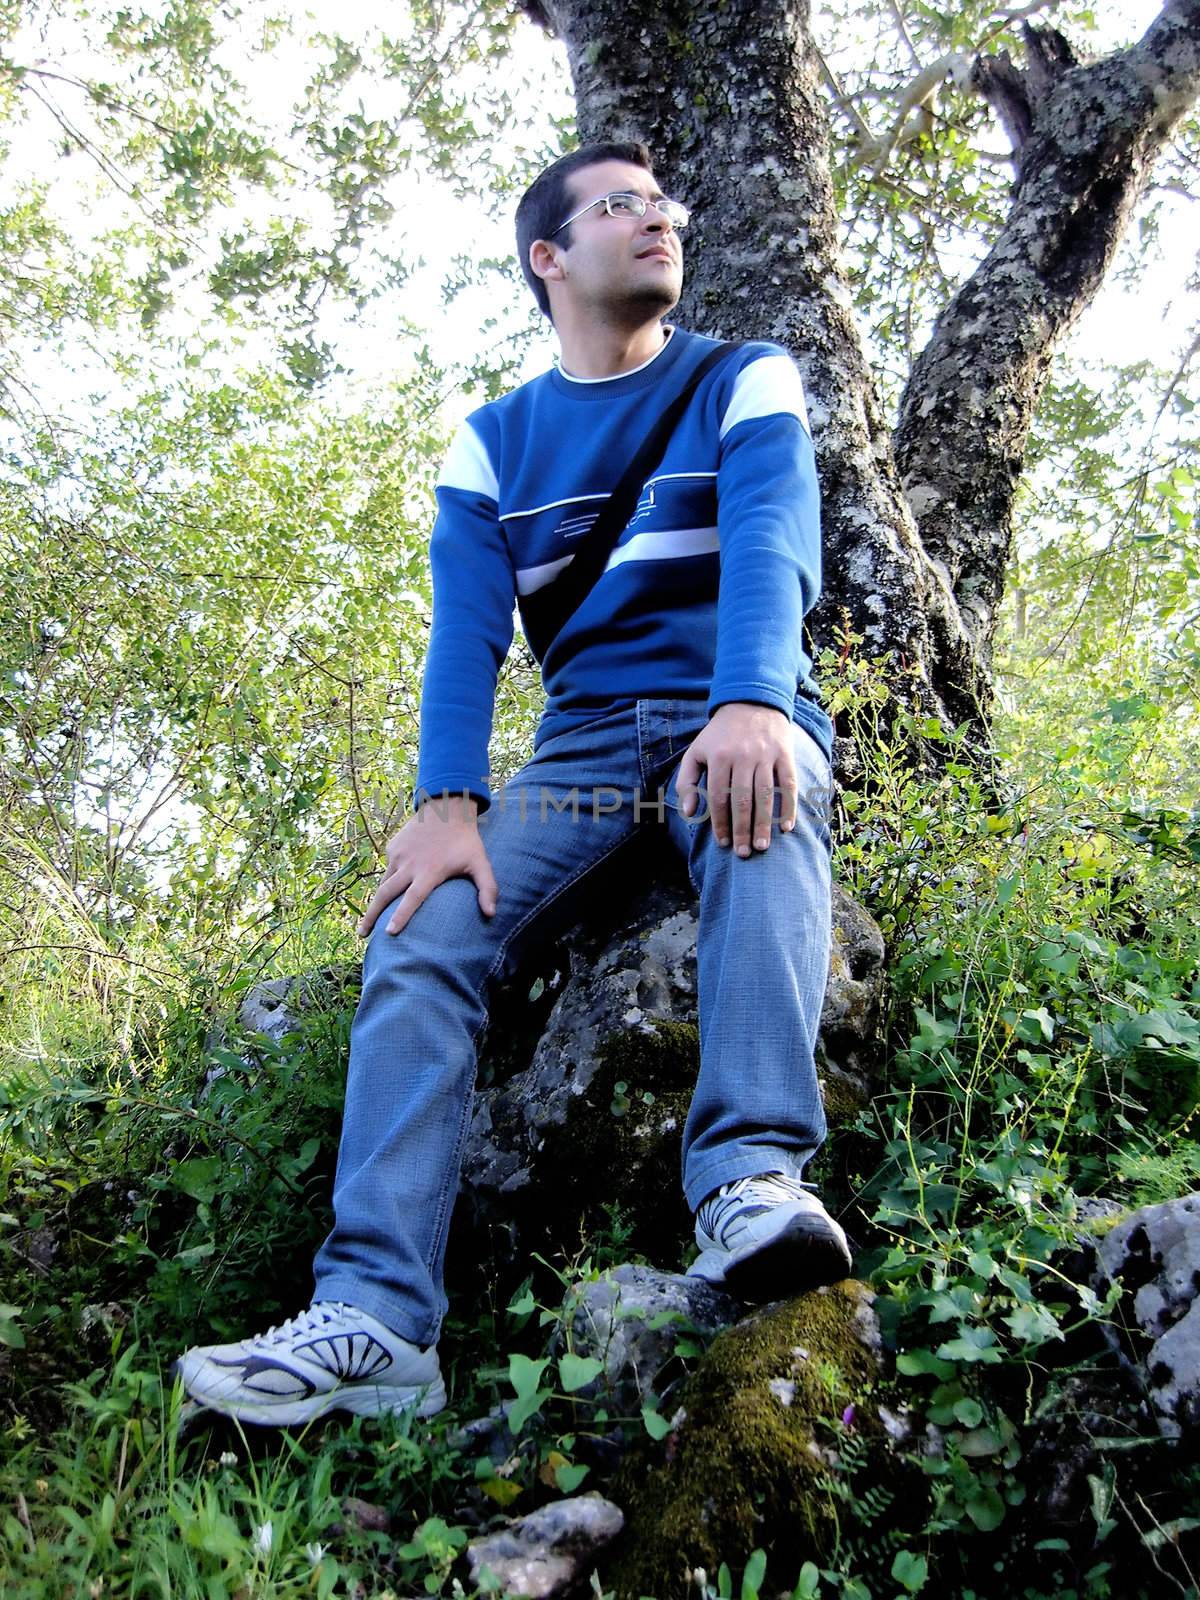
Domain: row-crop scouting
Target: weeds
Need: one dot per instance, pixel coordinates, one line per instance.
(1041, 1047)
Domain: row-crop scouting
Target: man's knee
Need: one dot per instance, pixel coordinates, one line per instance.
(446, 926)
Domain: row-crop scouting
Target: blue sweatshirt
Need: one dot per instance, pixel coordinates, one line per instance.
(705, 594)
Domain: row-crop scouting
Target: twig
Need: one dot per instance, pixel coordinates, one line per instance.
(1175, 381)
(894, 8)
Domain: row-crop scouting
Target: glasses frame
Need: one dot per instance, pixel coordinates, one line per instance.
(605, 200)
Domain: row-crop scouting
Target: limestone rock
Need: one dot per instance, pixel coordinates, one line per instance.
(632, 1318)
(549, 1552)
(278, 1006)
(1155, 1253)
(850, 1014)
(272, 1007)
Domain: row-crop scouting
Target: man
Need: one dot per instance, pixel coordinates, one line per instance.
(680, 697)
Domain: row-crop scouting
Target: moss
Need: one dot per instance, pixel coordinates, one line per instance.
(842, 1098)
(744, 1469)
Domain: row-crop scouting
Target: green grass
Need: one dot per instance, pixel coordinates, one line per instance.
(1041, 1044)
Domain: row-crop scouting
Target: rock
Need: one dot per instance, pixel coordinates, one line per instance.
(610, 1081)
(1155, 1253)
(779, 1402)
(278, 1006)
(549, 1552)
(850, 1014)
(632, 1318)
(272, 1007)
(363, 1514)
(1064, 1454)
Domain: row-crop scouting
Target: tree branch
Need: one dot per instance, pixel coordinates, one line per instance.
(1093, 135)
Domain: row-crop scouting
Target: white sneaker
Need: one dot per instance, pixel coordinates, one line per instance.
(766, 1237)
(331, 1357)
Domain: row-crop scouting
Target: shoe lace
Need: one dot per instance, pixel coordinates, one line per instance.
(309, 1321)
(771, 1188)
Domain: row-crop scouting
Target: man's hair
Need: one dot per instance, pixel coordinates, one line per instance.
(544, 204)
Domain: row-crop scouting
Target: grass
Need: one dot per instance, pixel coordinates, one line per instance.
(1041, 1045)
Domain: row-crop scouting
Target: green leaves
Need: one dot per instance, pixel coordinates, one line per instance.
(986, 1509)
(910, 1571)
(752, 1577)
(435, 1546)
(656, 1425)
(198, 1177)
(972, 1344)
(1033, 1324)
(916, 1363)
(576, 1372)
(525, 1375)
(10, 1334)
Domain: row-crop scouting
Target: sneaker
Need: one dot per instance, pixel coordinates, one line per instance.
(331, 1357)
(765, 1237)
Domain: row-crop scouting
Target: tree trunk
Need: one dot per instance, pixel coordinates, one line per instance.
(729, 99)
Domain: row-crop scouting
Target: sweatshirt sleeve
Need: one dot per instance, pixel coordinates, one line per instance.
(473, 596)
(769, 520)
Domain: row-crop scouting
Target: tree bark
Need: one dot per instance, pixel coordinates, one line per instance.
(1086, 140)
(729, 99)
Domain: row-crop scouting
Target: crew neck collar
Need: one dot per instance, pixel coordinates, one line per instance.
(615, 377)
(646, 376)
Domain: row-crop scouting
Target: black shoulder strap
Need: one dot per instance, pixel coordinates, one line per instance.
(546, 610)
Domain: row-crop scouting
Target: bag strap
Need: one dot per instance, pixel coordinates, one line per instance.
(546, 611)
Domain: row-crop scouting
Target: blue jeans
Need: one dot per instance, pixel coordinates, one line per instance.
(762, 965)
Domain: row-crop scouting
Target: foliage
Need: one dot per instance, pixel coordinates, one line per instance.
(1043, 1047)
(923, 170)
(1099, 638)
(220, 181)
(217, 598)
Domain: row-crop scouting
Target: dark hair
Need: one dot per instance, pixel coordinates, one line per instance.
(544, 204)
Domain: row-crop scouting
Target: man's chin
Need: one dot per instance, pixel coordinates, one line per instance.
(655, 299)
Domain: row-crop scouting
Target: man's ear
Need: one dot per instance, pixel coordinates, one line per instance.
(546, 261)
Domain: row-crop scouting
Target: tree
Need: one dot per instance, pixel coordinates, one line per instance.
(735, 100)
(215, 581)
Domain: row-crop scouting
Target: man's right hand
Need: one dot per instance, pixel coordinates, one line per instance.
(441, 841)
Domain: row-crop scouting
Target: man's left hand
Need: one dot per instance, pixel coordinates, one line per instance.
(747, 752)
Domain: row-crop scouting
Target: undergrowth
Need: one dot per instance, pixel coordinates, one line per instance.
(165, 1181)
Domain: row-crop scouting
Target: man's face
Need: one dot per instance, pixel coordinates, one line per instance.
(627, 262)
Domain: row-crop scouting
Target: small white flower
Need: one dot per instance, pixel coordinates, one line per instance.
(700, 1578)
(315, 1554)
(262, 1538)
(228, 1459)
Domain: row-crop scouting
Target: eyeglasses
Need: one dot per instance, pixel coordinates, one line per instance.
(622, 204)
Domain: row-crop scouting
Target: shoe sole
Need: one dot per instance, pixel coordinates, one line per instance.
(797, 1258)
(364, 1400)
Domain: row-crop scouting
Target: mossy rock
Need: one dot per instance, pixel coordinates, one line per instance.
(622, 1142)
(780, 1402)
